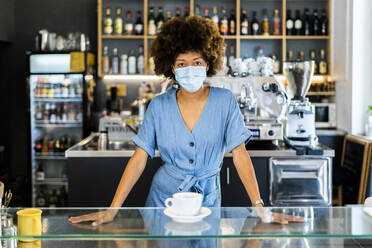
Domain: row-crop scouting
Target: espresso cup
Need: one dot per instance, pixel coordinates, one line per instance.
(185, 203)
(29, 223)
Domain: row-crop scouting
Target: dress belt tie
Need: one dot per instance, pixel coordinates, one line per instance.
(188, 180)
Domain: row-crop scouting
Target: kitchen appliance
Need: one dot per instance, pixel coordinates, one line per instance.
(300, 181)
(118, 132)
(57, 84)
(325, 115)
(262, 101)
(300, 116)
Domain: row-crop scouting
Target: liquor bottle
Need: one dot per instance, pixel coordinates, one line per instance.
(129, 23)
(265, 23)
(215, 18)
(178, 12)
(315, 29)
(197, 10)
(159, 19)
(276, 23)
(45, 147)
(301, 56)
(124, 64)
(324, 23)
(115, 61)
(138, 28)
(152, 25)
(169, 15)
(323, 63)
(107, 22)
(289, 23)
(224, 23)
(260, 53)
(313, 57)
(53, 199)
(232, 55)
(53, 114)
(38, 146)
(57, 145)
(118, 24)
(62, 145)
(232, 20)
(132, 62)
(64, 113)
(306, 23)
(151, 65)
(41, 198)
(140, 60)
(255, 26)
(290, 55)
(187, 13)
(38, 113)
(298, 23)
(105, 63)
(244, 22)
(206, 13)
(276, 64)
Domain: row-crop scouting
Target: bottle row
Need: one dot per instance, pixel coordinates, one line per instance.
(58, 113)
(125, 64)
(52, 198)
(49, 145)
(321, 65)
(307, 24)
(58, 90)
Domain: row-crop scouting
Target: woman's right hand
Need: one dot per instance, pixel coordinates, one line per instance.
(97, 218)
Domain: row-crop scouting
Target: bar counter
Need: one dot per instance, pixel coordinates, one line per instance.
(224, 227)
(93, 175)
(79, 151)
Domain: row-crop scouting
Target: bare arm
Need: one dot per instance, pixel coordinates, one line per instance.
(131, 174)
(244, 167)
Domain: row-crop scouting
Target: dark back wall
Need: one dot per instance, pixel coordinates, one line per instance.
(60, 17)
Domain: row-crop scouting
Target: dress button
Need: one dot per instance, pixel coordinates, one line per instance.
(192, 144)
(191, 161)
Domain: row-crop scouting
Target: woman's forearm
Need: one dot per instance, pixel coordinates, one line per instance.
(131, 174)
(244, 167)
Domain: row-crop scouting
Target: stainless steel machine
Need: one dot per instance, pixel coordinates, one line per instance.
(300, 117)
(262, 101)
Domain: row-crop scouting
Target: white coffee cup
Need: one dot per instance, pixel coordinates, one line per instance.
(185, 203)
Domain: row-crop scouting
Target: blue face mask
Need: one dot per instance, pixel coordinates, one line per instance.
(191, 78)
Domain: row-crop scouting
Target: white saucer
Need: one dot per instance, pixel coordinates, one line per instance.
(177, 228)
(204, 212)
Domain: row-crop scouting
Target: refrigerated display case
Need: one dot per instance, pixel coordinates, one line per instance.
(58, 120)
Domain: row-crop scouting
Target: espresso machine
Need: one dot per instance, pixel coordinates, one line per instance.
(262, 101)
(300, 116)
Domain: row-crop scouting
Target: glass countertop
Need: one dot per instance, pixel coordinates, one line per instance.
(222, 223)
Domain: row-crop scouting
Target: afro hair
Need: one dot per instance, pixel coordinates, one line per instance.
(180, 35)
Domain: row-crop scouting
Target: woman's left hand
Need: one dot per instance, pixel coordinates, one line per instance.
(268, 216)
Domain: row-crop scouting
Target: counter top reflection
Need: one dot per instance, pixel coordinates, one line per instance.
(223, 223)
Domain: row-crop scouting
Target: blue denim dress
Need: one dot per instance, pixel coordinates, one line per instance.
(192, 160)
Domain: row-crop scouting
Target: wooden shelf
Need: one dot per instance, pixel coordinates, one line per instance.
(307, 37)
(261, 37)
(234, 39)
(123, 37)
(329, 93)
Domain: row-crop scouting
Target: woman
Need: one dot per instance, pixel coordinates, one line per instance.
(192, 127)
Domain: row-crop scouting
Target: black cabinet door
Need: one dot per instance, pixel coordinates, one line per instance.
(232, 188)
(93, 181)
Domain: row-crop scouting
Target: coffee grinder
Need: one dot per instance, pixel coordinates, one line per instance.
(300, 116)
